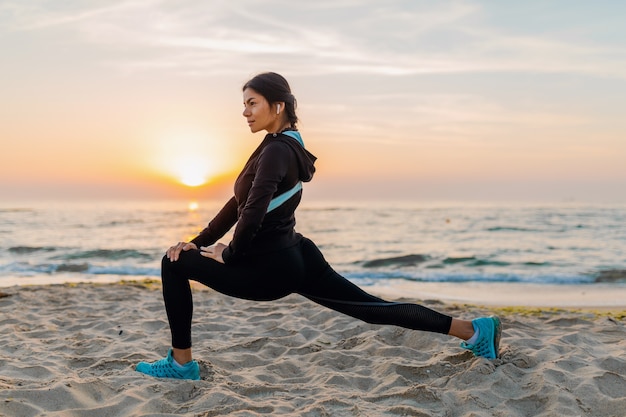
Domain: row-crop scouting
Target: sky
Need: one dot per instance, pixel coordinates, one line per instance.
(407, 100)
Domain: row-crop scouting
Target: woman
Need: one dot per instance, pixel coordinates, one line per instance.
(267, 259)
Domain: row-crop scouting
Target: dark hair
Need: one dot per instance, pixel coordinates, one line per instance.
(275, 88)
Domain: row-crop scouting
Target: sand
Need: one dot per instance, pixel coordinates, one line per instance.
(70, 350)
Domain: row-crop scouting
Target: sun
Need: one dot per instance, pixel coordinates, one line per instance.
(190, 156)
(193, 180)
(193, 171)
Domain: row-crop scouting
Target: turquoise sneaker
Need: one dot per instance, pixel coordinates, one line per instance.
(165, 368)
(488, 342)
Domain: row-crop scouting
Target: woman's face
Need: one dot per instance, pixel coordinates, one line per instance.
(259, 114)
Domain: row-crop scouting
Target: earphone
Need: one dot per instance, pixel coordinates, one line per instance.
(278, 109)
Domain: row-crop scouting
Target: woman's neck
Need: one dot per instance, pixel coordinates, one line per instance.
(281, 129)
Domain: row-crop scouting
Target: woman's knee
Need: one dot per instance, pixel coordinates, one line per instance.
(170, 270)
(183, 258)
(166, 264)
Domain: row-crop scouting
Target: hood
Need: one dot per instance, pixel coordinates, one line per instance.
(305, 159)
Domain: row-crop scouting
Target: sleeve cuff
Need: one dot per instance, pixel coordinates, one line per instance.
(227, 255)
(198, 241)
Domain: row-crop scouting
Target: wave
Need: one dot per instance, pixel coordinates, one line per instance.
(456, 260)
(416, 259)
(24, 250)
(473, 261)
(512, 229)
(106, 254)
(125, 270)
(611, 276)
(537, 264)
(28, 269)
(72, 268)
(101, 254)
(378, 277)
(406, 260)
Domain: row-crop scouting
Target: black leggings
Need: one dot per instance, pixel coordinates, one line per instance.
(300, 269)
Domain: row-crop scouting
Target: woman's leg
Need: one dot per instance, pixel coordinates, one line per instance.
(178, 305)
(253, 281)
(326, 287)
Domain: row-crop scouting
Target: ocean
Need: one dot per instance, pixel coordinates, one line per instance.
(104, 241)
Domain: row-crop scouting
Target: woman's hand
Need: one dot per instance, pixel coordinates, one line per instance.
(174, 251)
(213, 252)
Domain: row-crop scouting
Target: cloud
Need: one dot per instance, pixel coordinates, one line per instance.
(404, 38)
(28, 16)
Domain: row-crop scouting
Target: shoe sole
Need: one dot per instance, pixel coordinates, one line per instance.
(497, 334)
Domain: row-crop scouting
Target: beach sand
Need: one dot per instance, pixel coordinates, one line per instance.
(70, 350)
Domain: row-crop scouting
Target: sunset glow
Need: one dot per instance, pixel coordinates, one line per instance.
(437, 100)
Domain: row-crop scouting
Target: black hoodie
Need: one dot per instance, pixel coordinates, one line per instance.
(274, 167)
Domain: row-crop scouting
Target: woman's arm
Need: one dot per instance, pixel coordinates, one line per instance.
(221, 223)
(217, 227)
(271, 168)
